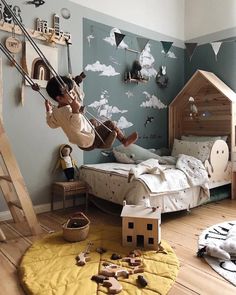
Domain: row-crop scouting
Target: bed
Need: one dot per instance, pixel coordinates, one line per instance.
(211, 129)
(172, 187)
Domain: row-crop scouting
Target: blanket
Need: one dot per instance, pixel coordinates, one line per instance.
(188, 172)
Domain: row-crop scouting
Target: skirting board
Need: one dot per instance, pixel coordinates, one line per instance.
(6, 215)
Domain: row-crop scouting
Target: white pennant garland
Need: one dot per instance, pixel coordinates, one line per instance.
(216, 47)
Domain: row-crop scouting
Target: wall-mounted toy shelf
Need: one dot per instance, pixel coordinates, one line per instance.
(42, 31)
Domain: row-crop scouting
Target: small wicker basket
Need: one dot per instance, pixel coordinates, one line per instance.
(72, 233)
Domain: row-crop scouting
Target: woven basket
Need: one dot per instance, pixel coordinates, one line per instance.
(76, 234)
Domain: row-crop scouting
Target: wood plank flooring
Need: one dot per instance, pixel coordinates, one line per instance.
(180, 229)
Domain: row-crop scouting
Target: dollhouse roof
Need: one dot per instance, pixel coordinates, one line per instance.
(140, 212)
(200, 80)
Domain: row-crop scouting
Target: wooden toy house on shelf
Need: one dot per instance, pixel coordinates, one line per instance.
(215, 104)
(141, 226)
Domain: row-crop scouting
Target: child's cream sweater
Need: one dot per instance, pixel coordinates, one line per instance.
(75, 126)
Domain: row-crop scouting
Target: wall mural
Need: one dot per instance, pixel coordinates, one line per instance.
(102, 68)
(134, 106)
(152, 102)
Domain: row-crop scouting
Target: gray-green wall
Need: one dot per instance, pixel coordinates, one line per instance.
(224, 66)
(154, 135)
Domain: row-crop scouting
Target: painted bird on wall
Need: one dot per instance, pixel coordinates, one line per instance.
(148, 120)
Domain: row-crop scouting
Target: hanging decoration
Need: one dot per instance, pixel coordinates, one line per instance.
(118, 38)
(166, 45)
(193, 108)
(190, 47)
(65, 13)
(216, 47)
(161, 77)
(142, 42)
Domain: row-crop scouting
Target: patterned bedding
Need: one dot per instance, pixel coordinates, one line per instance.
(177, 191)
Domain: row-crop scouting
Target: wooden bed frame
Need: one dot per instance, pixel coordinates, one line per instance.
(216, 116)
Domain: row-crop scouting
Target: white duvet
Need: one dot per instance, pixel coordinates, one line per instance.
(188, 172)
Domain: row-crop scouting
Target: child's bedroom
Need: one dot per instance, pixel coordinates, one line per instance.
(117, 147)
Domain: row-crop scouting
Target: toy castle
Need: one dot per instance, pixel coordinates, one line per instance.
(141, 226)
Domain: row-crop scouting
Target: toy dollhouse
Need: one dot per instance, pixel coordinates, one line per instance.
(141, 226)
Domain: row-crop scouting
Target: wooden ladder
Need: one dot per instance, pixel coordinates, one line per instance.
(13, 186)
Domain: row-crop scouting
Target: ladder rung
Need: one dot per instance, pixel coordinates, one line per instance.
(6, 177)
(16, 203)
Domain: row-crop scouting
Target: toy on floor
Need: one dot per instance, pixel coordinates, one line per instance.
(66, 162)
(114, 287)
(224, 250)
(83, 257)
(142, 281)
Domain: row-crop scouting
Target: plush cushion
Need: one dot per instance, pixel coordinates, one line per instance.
(135, 153)
(123, 158)
(202, 138)
(199, 150)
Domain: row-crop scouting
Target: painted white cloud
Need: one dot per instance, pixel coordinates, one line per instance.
(152, 102)
(111, 39)
(123, 123)
(104, 69)
(170, 54)
(147, 62)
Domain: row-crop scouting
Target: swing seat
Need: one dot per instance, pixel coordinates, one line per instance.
(108, 142)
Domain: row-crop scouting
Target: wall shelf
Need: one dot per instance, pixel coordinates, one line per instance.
(47, 37)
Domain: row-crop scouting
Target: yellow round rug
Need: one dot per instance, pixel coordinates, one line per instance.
(49, 266)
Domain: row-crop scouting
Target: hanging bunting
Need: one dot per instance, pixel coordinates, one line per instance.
(118, 38)
(142, 42)
(190, 47)
(216, 48)
(166, 45)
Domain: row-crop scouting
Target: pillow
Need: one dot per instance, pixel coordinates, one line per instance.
(199, 150)
(135, 153)
(202, 138)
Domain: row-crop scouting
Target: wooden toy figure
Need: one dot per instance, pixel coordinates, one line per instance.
(66, 162)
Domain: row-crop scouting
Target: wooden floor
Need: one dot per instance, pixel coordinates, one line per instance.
(180, 229)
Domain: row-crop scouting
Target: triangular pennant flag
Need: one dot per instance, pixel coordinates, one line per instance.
(190, 47)
(142, 42)
(166, 46)
(216, 47)
(118, 38)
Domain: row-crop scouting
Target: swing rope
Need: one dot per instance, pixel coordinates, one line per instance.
(45, 60)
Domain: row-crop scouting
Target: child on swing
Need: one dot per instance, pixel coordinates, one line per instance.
(69, 115)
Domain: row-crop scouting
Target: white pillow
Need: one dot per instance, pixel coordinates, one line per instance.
(202, 138)
(199, 150)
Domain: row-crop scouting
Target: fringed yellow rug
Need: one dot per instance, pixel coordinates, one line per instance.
(49, 266)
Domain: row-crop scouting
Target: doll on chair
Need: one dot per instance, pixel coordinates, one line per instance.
(66, 162)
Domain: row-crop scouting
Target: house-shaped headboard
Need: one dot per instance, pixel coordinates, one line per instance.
(216, 105)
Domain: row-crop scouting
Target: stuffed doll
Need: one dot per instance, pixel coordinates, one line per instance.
(224, 250)
(66, 162)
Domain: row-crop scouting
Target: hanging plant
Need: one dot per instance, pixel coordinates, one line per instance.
(161, 77)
